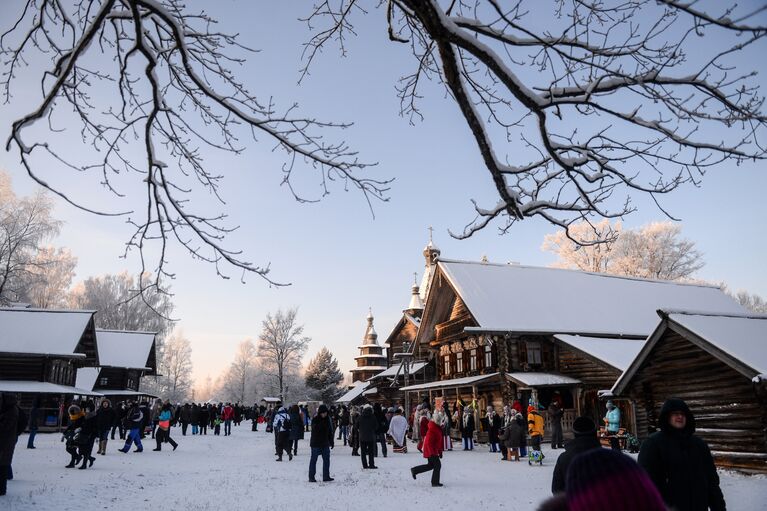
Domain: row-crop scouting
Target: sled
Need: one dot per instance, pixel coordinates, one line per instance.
(535, 457)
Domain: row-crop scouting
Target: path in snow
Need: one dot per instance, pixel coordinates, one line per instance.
(239, 472)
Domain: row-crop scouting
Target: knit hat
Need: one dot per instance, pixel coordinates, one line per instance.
(530, 409)
(322, 409)
(584, 426)
(605, 480)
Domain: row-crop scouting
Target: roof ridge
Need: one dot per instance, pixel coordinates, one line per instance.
(571, 270)
(744, 315)
(36, 309)
(115, 331)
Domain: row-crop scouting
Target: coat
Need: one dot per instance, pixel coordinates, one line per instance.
(322, 432)
(368, 425)
(9, 416)
(296, 426)
(105, 418)
(432, 442)
(573, 448)
(516, 435)
(467, 426)
(680, 464)
(494, 423)
(613, 420)
(535, 424)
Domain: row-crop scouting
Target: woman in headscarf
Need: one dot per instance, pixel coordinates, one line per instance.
(397, 429)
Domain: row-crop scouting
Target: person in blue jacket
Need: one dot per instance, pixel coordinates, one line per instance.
(613, 422)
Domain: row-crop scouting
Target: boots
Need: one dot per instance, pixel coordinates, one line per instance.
(85, 463)
(72, 462)
(102, 447)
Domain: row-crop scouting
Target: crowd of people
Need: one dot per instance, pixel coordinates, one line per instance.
(674, 470)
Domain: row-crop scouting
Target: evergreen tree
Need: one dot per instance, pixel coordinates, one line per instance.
(323, 376)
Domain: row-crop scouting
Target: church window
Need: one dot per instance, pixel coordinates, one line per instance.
(473, 360)
(459, 362)
(488, 356)
(447, 364)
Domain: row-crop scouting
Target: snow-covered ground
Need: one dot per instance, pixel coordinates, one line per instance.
(239, 472)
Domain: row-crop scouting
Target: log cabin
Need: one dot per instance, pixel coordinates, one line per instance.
(40, 353)
(717, 363)
(124, 358)
(495, 332)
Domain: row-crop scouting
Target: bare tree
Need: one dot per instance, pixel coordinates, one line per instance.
(654, 251)
(175, 96)
(576, 105)
(281, 346)
(25, 223)
(176, 368)
(239, 380)
(48, 284)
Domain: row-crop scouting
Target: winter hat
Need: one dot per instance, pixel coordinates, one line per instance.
(322, 409)
(584, 426)
(390, 410)
(530, 409)
(605, 480)
(676, 405)
(74, 410)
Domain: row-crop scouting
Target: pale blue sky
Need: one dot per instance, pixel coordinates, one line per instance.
(339, 259)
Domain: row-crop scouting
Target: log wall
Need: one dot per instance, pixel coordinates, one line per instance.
(728, 413)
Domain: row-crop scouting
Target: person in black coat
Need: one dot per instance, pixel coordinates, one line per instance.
(321, 441)
(555, 416)
(383, 427)
(105, 420)
(185, 417)
(680, 463)
(585, 431)
(368, 426)
(88, 434)
(296, 428)
(9, 418)
(204, 419)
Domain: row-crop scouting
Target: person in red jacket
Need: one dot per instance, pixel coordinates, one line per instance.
(227, 414)
(432, 450)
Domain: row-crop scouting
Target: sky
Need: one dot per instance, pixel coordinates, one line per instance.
(338, 257)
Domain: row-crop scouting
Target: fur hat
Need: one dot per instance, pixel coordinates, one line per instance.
(74, 410)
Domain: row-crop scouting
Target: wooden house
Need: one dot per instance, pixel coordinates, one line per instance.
(499, 332)
(717, 363)
(124, 357)
(40, 353)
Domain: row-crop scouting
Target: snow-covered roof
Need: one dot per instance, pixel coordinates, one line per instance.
(739, 340)
(541, 379)
(368, 368)
(370, 391)
(619, 353)
(370, 355)
(504, 297)
(42, 387)
(271, 399)
(119, 348)
(396, 371)
(353, 393)
(42, 331)
(86, 377)
(414, 320)
(742, 337)
(456, 382)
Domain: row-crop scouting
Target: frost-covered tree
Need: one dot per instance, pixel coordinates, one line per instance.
(592, 250)
(25, 224)
(281, 346)
(654, 251)
(239, 382)
(752, 302)
(175, 368)
(48, 283)
(115, 296)
(573, 106)
(323, 376)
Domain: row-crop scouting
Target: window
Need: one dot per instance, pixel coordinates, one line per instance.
(447, 364)
(103, 381)
(473, 360)
(488, 356)
(459, 362)
(533, 353)
(131, 383)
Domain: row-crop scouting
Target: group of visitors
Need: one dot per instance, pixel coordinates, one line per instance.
(674, 470)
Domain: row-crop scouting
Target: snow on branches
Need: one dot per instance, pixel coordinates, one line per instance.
(170, 72)
(576, 105)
